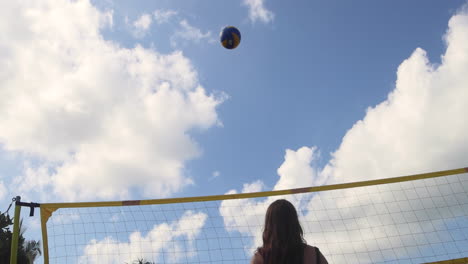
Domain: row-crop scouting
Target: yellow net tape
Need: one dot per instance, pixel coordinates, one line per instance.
(259, 194)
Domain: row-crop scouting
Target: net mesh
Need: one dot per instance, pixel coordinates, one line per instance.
(408, 222)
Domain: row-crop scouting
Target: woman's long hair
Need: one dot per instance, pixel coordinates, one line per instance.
(283, 241)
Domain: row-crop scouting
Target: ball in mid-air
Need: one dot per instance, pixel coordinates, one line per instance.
(230, 37)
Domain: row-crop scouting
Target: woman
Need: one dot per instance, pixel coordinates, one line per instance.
(283, 241)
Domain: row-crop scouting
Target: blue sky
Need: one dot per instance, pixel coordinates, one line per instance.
(142, 99)
(312, 72)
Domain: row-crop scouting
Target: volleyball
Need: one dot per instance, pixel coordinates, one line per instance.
(230, 37)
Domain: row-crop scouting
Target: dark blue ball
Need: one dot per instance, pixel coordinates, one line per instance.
(230, 37)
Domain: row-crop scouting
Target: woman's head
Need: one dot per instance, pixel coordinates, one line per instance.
(282, 235)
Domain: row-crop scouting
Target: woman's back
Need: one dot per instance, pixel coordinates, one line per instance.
(283, 238)
(311, 256)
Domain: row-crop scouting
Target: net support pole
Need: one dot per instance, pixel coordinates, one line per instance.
(45, 214)
(14, 240)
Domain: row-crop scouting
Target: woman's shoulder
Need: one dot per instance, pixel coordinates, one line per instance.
(256, 259)
(310, 250)
(312, 254)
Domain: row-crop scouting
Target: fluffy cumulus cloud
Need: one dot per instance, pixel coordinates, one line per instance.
(188, 33)
(248, 222)
(258, 11)
(418, 128)
(142, 25)
(175, 240)
(96, 119)
(296, 170)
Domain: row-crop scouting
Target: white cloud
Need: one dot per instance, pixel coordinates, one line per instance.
(417, 129)
(175, 239)
(3, 190)
(162, 16)
(248, 222)
(99, 118)
(296, 171)
(34, 181)
(190, 33)
(257, 11)
(142, 25)
(214, 175)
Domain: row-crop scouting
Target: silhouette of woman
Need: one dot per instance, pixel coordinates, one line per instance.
(283, 239)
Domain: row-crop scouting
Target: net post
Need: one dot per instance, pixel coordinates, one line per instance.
(45, 215)
(15, 238)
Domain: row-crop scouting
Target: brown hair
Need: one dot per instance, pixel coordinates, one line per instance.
(283, 238)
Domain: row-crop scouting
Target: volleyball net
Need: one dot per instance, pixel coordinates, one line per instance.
(411, 219)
